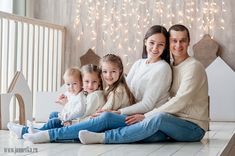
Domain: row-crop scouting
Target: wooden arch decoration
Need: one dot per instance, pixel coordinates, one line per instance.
(20, 89)
(22, 118)
(5, 100)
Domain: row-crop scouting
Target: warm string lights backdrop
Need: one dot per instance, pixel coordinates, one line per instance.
(118, 26)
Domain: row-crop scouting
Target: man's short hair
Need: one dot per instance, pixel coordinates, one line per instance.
(179, 27)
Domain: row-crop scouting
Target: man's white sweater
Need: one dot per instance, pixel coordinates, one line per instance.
(189, 94)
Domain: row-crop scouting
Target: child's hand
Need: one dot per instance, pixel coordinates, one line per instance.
(67, 123)
(62, 100)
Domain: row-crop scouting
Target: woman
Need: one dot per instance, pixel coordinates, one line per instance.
(149, 80)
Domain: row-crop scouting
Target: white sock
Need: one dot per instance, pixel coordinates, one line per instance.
(15, 128)
(31, 129)
(40, 137)
(29, 123)
(87, 137)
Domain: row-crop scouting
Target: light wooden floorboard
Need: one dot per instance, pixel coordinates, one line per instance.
(212, 144)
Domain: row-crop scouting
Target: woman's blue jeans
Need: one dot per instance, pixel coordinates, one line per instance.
(156, 128)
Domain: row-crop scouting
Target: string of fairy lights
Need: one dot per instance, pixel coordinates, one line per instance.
(119, 25)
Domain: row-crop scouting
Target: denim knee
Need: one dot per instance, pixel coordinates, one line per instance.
(53, 115)
(107, 115)
(110, 118)
(159, 115)
(155, 120)
(162, 114)
(56, 121)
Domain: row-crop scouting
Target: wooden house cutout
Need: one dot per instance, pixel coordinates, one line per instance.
(221, 94)
(206, 50)
(20, 89)
(90, 58)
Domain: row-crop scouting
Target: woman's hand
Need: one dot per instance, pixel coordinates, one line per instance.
(134, 119)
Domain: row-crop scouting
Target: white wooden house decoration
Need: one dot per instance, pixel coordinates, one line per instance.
(221, 79)
(20, 89)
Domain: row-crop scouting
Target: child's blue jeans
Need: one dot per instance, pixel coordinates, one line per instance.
(53, 122)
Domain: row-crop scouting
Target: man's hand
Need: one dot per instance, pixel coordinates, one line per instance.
(134, 119)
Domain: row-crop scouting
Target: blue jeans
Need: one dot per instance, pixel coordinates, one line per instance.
(53, 122)
(159, 127)
(101, 123)
(53, 115)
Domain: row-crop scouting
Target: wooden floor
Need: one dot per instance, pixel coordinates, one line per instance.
(214, 143)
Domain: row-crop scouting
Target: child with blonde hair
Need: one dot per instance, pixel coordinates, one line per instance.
(83, 98)
(72, 98)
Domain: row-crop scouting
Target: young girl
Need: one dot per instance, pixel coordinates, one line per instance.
(77, 103)
(117, 95)
(93, 89)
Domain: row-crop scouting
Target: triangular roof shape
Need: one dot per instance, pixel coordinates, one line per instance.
(90, 57)
(206, 50)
